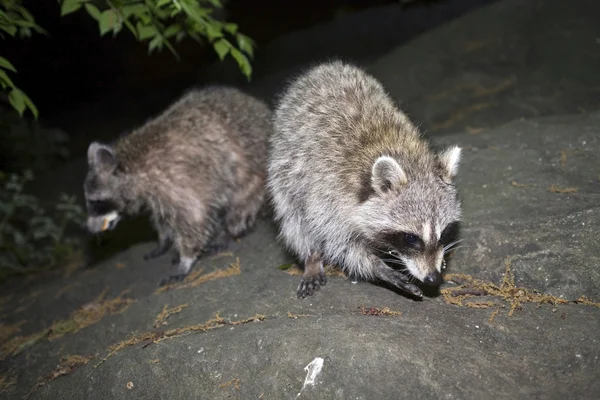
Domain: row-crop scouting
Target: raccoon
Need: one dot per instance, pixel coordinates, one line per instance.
(199, 169)
(353, 183)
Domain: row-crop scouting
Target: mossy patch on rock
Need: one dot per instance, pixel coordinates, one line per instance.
(469, 288)
(198, 277)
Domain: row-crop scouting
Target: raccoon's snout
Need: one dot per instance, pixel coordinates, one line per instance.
(433, 279)
(102, 223)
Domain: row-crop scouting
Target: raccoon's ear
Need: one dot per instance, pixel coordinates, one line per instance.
(387, 174)
(101, 157)
(449, 160)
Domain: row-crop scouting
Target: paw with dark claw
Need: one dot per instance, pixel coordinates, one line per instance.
(171, 279)
(410, 288)
(310, 284)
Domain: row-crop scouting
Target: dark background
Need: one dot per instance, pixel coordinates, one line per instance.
(73, 64)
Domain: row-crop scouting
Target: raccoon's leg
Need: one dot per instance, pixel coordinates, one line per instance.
(189, 242)
(183, 262)
(397, 279)
(165, 241)
(244, 208)
(219, 243)
(313, 277)
(184, 265)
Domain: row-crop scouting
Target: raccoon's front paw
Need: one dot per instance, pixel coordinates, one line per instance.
(171, 279)
(410, 288)
(310, 284)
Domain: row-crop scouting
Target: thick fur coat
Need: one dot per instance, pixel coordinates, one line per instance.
(354, 184)
(198, 168)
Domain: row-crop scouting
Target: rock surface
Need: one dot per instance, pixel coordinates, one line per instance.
(509, 60)
(235, 329)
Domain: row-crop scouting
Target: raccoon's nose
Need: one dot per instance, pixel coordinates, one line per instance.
(433, 279)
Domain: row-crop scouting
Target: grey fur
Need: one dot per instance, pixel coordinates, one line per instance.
(351, 178)
(199, 169)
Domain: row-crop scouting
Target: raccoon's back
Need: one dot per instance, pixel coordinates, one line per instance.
(202, 130)
(329, 126)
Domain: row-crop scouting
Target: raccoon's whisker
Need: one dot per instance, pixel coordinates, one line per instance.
(455, 248)
(454, 243)
(394, 260)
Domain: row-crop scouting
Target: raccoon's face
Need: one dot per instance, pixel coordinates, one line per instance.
(411, 221)
(103, 198)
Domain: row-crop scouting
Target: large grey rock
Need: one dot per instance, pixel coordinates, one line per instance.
(432, 350)
(507, 60)
(531, 192)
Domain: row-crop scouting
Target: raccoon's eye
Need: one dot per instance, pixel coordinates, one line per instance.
(411, 239)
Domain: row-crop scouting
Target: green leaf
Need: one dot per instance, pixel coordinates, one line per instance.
(155, 43)
(4, 63)
(245, 44)
(137, 9)
(117, 29)
(15, 97)
(242, 61)
(284, 267)
(93, 11)
(107, 21)
(163, 2)
(69, 6)
(10, 29)
(172, 30)
(145, 18)
(30, 105)
(193, 13)
(213, 31)
(145, 31)
(231, 28)
(222, 47)
(5, 80)
(216, 3)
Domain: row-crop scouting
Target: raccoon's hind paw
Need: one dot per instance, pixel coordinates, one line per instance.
(216, 245)
(310, 284)
(180, 272)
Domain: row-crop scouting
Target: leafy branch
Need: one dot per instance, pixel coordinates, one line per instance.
(16, 20)
(159, 22)
(33, 234)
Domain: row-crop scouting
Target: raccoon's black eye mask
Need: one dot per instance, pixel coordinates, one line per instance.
(398, 243)
(101, 207)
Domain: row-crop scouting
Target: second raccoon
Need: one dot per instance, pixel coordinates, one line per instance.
(199, 168)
